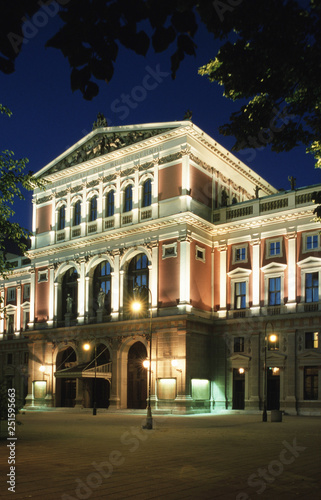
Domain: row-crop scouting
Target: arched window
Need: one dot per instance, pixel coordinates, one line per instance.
(70, 292)
(62, 217)
(93, 209)
(102, 283)
(110, 204)
(138, 273)
(128, 204)
(77, 213)
(147, 193)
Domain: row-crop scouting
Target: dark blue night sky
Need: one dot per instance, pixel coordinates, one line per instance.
(48, 118)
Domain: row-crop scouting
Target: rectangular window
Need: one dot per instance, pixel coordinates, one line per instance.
(9, 358)
(312, 287)
(312, 242)
(275, 248)
(238, 344)
(275, 291)
(11, 294)
(311, 340)
(310, 382)
(240, 254)
(240, 295)
(26, 292)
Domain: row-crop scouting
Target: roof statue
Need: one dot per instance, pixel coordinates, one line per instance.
(101, 121)
(188, 115)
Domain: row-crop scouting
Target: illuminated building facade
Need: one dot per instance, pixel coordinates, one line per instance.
(220, 258)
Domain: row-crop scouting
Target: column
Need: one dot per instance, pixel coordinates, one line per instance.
(115, 284)
(18, 319)
(81, 292)
(153, 283)
(291, 303)
(51, 295)
(185, 271)
(256, 274)
(31, 323)
(223, 279)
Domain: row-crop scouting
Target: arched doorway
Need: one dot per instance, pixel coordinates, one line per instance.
(66, 387)
(238, 389)
(136, 377)
(102, 389)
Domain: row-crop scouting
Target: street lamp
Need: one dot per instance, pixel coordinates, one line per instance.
(86, 348)
(272, 338)
(136, 306)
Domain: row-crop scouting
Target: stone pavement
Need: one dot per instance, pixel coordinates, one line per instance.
(68, 455)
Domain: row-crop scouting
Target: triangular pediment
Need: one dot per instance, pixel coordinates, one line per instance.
(273, 267)
(240, 272)
(105, 140)
(310, 262)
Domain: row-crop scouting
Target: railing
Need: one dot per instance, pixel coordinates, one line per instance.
(127, 219)
(146, 214)
(257, 206)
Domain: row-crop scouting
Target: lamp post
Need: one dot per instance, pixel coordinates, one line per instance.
(136, 307)
(272, 338)
(87, 347)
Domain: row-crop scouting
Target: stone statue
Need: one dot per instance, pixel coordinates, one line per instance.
(292, 181)
(101, 122)
(224, 197)
(69, 303)
(101, 299)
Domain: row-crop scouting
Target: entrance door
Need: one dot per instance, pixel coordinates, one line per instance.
(273, 390)
(136, 377)
(238, 389)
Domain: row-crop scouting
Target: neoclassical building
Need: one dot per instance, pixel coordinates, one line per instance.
(219, 258)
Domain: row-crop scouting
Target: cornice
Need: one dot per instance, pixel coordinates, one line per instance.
(137, 229)
(256, 222)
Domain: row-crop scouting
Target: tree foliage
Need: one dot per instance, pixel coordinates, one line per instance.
(12, 179)
(269, 56)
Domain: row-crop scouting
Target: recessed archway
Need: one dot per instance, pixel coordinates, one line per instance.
(136, 377)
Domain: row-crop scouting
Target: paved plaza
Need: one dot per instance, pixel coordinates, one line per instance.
(71, 454)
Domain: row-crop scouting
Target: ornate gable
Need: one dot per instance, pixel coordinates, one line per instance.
(104, 140)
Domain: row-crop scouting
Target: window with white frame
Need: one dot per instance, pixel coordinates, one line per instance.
(169, 250)
(240, 295)
(11, 294)
(240, 279)
(42, 276)
(274, 291)
(312, 287)
(200, 253)
(311, 241)
(239, 254)
(274, 248)
(274, 284)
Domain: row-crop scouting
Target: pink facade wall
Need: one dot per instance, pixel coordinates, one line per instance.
(201, 272)
(201, 186)
(168, 278)
(43, 219)
(170, 182)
